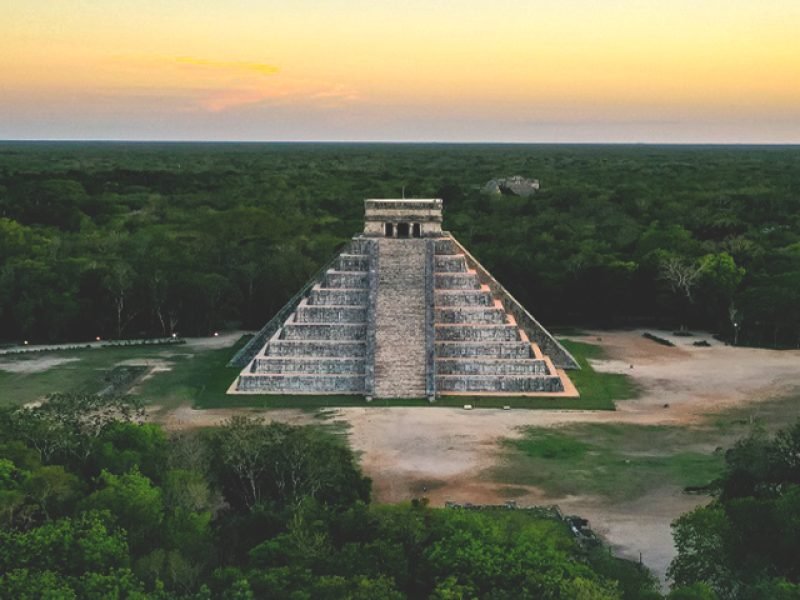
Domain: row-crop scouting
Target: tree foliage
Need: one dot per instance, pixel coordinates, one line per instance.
(122, 240)
(254, 510)
(746, 543)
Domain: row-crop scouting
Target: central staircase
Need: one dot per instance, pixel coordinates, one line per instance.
(400, 365)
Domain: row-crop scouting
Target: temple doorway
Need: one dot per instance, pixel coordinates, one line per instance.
(416, 230)
(402, 230)
(389, 230)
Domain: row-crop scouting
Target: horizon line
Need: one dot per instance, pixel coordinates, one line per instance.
(396, 142)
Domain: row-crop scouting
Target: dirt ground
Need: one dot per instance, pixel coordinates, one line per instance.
(446, 453)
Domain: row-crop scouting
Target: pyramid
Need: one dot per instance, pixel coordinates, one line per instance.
(404, 311)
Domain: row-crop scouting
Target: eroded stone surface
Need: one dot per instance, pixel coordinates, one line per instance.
(405, 312)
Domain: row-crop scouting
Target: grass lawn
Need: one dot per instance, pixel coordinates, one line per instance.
(622, 462)
(85, 371)
(619, 462)
(201, 377)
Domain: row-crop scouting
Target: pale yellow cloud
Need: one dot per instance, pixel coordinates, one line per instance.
(228, 65)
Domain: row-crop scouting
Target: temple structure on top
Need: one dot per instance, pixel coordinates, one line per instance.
(404, 311)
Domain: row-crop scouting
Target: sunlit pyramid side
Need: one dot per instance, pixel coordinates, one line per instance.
(404, 311)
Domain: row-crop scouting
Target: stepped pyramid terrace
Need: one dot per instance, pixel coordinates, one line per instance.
(404, 311)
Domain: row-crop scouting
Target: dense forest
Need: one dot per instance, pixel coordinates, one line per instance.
(745, 545)
(125, 240)
(96, 503)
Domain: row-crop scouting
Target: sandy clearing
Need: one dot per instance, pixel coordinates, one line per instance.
(637, 529)
(34, 365)
(447, 453)
(186, 417)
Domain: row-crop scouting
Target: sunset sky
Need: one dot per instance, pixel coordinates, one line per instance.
(426, 70)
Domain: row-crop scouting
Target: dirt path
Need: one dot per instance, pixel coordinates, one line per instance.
(446, 453)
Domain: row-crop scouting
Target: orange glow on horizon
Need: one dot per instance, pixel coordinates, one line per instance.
(369, 66)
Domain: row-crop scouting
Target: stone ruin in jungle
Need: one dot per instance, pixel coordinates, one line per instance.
(404, 311)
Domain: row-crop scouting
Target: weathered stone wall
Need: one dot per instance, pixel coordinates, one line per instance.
(492, 367)
(302, 384)
(338, 297)
(510, 384)
(478, 314)
(463, 298)
(483, 350)
(243, 357)
(351, 262)
(477, 333)
(325, 331)
(456, 281)
(314, 365)
(318, 348)
(538, 334)
(331, 314)
(450, 264)
(427, 214)
(479, 346)
(346, 279)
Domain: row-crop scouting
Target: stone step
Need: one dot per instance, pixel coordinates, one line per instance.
(400, 360)
(455, 263)
(477, 333)
(463, 298)
(457, 281)
(338, 297)
(352, 262)
(472, 366)
(316, 348)
(326, 331)
(301, 384)
(498, 383)
(486, 349)
(308, 365)
(346, 279)
(330, 314)
(470, 315)
(446, 246)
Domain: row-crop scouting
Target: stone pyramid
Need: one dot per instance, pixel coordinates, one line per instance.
(404, 311)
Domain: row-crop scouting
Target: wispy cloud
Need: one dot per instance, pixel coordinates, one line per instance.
(228, 65)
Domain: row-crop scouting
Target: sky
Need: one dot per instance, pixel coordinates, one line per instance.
(693, 71)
